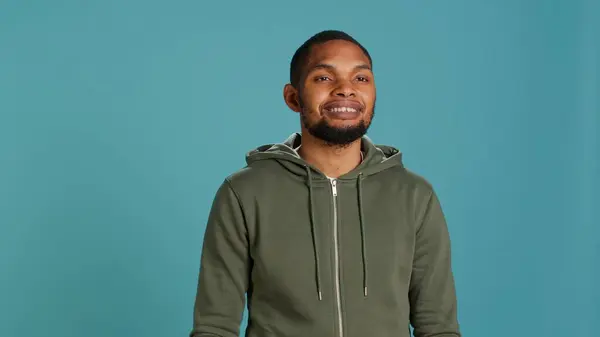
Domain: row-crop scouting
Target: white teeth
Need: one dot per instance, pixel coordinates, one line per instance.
(343, 109)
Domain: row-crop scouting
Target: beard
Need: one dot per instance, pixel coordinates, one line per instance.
(332, 135)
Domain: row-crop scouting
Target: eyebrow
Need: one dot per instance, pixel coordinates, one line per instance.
(331, 67)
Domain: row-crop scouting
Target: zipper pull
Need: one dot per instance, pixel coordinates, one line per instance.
(334, 186)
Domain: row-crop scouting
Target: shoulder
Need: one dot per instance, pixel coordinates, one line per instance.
(410, 179)
(251, 177)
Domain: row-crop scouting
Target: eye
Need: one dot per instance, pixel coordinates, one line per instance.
(321, 78)
(362, 79)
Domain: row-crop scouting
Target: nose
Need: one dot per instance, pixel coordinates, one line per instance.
(345, 89)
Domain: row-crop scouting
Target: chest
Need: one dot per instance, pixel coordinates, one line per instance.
(336, 223)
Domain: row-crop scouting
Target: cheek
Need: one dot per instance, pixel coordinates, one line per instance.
(369, 97)
(312, 100)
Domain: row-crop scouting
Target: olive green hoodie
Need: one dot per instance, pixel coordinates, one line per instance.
(366, 254)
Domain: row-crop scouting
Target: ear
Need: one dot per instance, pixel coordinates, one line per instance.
(291, 97)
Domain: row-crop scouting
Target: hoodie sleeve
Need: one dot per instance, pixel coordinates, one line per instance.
(432, 289)
(224, 269)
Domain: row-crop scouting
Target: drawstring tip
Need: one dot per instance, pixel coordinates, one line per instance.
(320, 296)
(365, 291)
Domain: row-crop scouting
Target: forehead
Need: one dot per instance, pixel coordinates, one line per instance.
(337, 52)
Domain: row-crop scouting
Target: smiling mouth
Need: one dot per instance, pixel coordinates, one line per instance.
(343, 110)
(343, 107)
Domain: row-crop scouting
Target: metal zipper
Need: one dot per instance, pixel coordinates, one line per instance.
(337, 258)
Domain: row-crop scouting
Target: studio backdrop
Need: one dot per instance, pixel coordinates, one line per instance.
(119, 120)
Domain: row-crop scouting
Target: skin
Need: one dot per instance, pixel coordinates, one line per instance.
(336, 71)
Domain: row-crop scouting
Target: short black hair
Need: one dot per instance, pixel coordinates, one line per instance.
(300, 56)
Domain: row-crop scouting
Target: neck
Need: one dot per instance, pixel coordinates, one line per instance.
(333, 161)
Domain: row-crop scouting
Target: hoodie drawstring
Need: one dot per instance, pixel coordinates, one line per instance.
(362, 234)
(361, 216)
(314, 233)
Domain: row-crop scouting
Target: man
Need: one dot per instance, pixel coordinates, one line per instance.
(326, 233)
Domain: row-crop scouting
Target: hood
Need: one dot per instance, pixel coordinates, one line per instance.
(376, 157)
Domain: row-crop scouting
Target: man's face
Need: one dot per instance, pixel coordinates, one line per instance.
(336, 98)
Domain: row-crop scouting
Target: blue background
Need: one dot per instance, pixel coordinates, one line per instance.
(119, 119)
